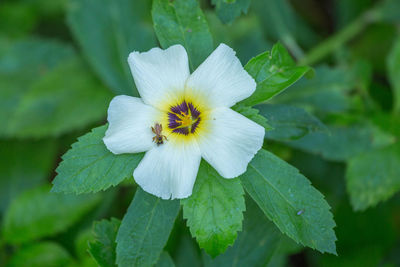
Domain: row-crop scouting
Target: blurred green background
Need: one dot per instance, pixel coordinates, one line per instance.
(62, 61)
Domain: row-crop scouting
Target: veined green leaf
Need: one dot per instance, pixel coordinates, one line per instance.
(145, 229)
(228, 10)
(373, 176)
(252, 114)
(183, 22)
(102, 249)
(214, 211)
(90, 167)
(289, 122)
(288, 199)
(108, 31)
(38, 213)
(273, 71)
(44, 254)
(254, 246)
(393, 66)
(165, 260)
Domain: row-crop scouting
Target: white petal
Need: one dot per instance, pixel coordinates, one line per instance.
(130, 122)
(169, 170)
(160, 74)
(222, 79)
(231, 142)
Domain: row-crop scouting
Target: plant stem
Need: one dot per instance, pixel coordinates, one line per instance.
(340, 38)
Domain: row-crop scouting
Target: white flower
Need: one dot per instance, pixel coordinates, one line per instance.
(193, 110)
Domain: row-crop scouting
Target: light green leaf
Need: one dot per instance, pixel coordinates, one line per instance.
(289, 122)
(214, 211)
(165, 260)
(65, 99)
(183, 22)
(393, 66)
(108, 31)
(145, 229)
(23, 165)
(252, 114)
(273, 71)
(44, 254)
(254, 246)
(373, 176)
(288, 199)
(103, 248)
(229, 10)
(90, 167)
(38, 213)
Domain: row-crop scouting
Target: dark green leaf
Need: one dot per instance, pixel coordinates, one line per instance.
(373, 176)
(44, 254)
(65, 99)
(288, 199)
(393, 65)
(273, 71)
(90, 167)
(108, 31)
(254, 246)
(145, 229)
(165, 260)
(38, 213)
(289, 122)
(228, 10)
(103, 247)
(214, 211)
(252, 114)
(183, 22)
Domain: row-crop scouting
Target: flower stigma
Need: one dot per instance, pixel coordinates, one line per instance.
(184, 118)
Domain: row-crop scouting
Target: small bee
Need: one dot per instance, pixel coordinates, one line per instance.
(159, 137)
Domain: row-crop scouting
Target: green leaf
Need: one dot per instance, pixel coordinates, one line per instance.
(65, 99)
(108, 31)
(393, 66)
(273, 71)
(165, 260)
(183, 22)
(373, 176)
(38, 213)
(229, 10)
(289, 122)
(145, 229)
(90, 167)
(288, 199)
(254, 246)
(44, 254)
(214, 211)
(23, 165)
(103, 247)
(252, 114)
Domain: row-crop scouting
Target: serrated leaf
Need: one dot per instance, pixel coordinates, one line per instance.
(65, 99)
(165, 260)
(254, 246)
(145, 229)
(229, 10)
(253, 114)
(23, 165)
(103, 248)
(273, 71)
(44, 254)
(108, 31)
(289, 122)
(393, 66)
(290, 201)
(183, 22)
(214, 211)
(38, 213)
(90, 167)
(373, 176)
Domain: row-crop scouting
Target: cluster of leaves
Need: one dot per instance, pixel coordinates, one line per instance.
(337, 125)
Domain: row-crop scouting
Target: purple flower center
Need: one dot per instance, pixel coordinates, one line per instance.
(183, 118)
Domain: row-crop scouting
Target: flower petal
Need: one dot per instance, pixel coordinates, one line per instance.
(160, 74)
(130, 122)
(169, 170)
(231, 142)
(222, 79)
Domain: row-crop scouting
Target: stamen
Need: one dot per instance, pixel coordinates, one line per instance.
(183, 118)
